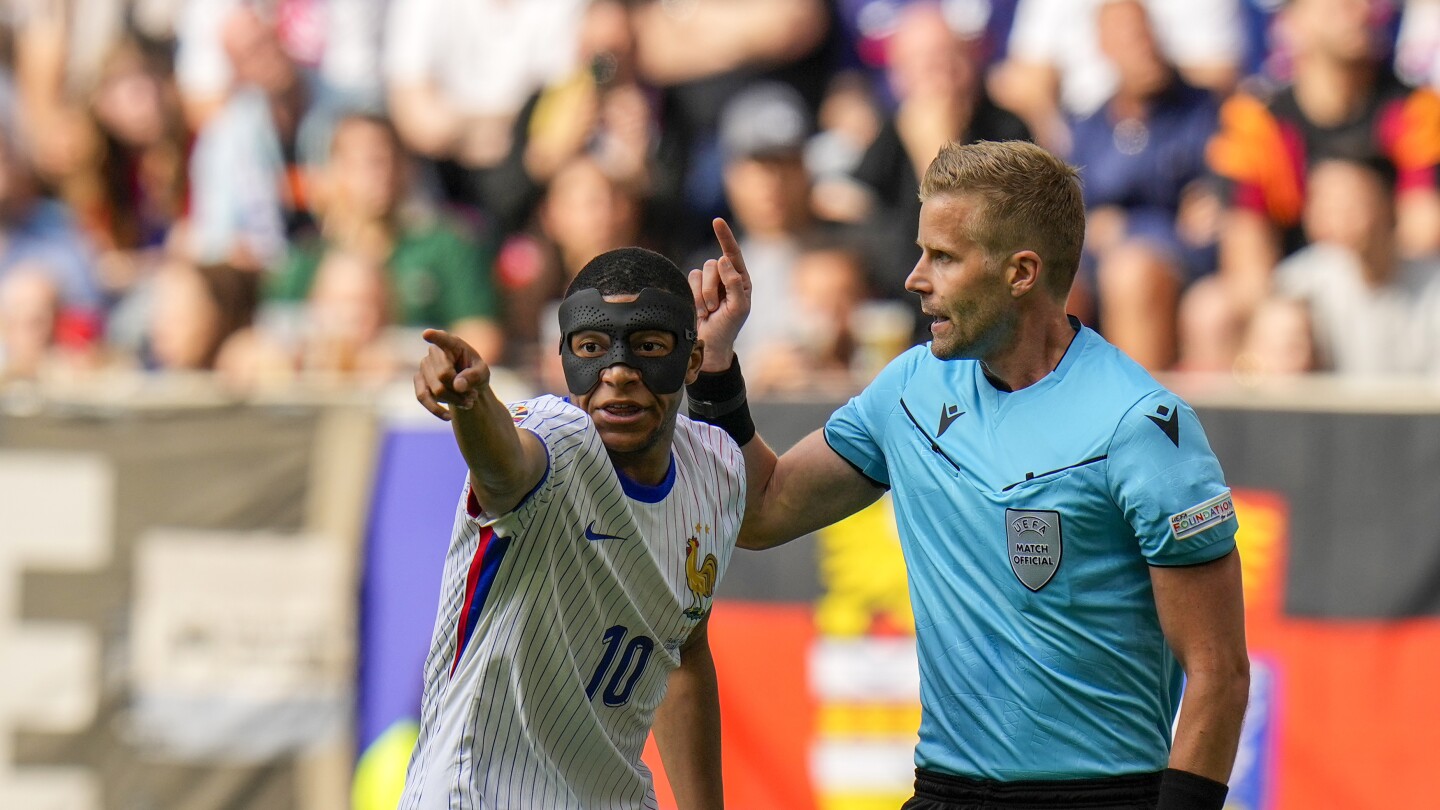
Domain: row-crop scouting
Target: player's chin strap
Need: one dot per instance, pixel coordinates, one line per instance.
(1182, 790)
(718, 398)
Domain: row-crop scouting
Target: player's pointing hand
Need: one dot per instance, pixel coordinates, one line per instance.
(451, 374)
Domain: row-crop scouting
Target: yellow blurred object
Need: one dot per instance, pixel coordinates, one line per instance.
(863, 572)
(380, 773)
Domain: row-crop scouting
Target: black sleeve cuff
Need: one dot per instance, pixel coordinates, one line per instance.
(1182, 790)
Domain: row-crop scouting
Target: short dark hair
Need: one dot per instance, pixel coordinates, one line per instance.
(629, 270)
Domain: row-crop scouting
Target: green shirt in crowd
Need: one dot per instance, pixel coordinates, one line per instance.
(438, 275)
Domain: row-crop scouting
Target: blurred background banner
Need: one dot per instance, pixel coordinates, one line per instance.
(179, 614)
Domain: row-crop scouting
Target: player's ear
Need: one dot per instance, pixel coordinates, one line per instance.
(1022, 272)
(697, 356)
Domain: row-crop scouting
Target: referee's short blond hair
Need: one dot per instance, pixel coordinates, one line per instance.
(1031, 201)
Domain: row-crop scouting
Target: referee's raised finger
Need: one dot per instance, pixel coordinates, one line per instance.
(711, 286)
(729, 245)
(734, 281)
(697, 280)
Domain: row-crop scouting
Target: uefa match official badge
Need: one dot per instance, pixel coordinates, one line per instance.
(1035, 545)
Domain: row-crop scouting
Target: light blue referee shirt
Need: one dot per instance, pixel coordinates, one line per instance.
(1029, 521)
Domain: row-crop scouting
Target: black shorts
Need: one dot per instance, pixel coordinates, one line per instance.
(938, 791)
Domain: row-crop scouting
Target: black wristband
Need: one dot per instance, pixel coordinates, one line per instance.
(718, 398)
(1182, 790)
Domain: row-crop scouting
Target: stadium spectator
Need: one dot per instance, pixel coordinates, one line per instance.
(458, 72)
(713, 39)
(1278, 341)
(600, 110)
(763, 131)
(336, 42)
(41, 231)
(1343, 102)
(341, 335)
(936, 76)
(29, 316)
(849, 121)
(1210, 329)
(1417, 46)
(1142, 155)
(585, 212)
(702, 53)
(347, 320)
(1054, 67)
(828, 286)
(247, 190)
(1374, 312)
(438, 274)
(193, 310)
(135, 191)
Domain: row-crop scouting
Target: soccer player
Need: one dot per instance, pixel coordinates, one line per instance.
(1068, 535)
(587, 545)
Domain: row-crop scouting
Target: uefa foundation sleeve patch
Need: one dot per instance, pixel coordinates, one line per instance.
(1197, 519)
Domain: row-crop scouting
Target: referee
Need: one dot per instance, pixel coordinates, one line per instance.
(1068, 534)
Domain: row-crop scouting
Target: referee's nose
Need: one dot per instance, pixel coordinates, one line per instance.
(918, 280)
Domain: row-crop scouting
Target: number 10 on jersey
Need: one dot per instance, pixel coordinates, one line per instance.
(624, 673)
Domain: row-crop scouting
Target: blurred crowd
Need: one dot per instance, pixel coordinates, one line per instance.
(284, 190)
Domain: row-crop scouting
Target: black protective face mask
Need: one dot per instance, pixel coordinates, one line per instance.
(653, 309)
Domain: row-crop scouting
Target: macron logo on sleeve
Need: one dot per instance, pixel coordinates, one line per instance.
(1164, 418)
(595, 537)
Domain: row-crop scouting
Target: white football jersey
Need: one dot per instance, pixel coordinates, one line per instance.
(560, 622)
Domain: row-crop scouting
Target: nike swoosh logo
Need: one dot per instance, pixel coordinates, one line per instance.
(595, 537)
(948, 413)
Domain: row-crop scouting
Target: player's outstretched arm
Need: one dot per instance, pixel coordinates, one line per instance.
(453, 383)
(1202, 614)
(687, 726)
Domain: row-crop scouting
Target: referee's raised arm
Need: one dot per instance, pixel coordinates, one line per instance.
(788, 496)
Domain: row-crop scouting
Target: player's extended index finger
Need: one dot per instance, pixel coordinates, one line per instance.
(445, 341)
(729, 245)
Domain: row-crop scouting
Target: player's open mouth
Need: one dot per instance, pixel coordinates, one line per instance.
(622, 411)
(938, 322)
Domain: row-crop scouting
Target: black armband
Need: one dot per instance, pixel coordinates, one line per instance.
(718, 398)
(1182, 790)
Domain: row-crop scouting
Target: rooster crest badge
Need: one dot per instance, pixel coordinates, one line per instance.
(699, 576)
